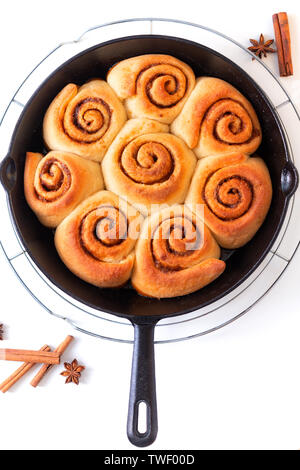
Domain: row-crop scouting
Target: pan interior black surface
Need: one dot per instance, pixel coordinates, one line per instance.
(95, 62)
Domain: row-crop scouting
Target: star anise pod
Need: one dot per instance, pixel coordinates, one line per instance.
(1, 331)
(261, 48)
(72, 372)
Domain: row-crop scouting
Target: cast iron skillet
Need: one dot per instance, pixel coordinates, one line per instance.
(143, 312)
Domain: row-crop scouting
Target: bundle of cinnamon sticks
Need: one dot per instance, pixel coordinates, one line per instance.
(29, 358)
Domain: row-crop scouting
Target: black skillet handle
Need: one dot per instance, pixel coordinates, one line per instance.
(8, 173)
(142, 387)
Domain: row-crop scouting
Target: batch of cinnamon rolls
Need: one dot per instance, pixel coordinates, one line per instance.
(148, 175)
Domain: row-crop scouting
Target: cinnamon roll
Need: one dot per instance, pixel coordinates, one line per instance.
(84, 120)
(236, 192)
(96, 241)
(175, 254)
(55, 184)
(217, 119)
(154, 86)
(148, 166)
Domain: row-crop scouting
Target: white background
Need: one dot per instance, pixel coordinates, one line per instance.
(238, 388)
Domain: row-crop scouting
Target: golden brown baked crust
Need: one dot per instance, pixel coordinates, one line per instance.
(154, 86)
(236, 192)
(96, 241)
(217, 119)
(175, 254)
(148, 166)
(222, 201)
(84, 120)
(55, 184)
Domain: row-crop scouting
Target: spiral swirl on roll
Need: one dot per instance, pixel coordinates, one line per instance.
(231, 122)
(218, 119)
(236, 192)
(84, 120)
(53, 180)
(56, 183)
(88, 120)
(103, 228)
(175, 254)
(147, 162)
(176, 242)
(153, 86)
(97, 239)
(148, 167)
(230, 197)
(164, 84)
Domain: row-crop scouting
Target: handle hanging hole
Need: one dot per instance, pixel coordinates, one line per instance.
(142, 419)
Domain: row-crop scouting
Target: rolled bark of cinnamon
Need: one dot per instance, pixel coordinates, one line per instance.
(19, 373)
(45, 368)
(22, 355)
(283, 41)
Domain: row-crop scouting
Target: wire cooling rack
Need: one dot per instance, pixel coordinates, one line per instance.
(199, 322)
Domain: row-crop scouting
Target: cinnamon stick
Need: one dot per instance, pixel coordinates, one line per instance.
(19, 373)
(283, 41)
(45, 368)
(22, 355)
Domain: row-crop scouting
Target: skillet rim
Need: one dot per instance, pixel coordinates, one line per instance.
(152, 318)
